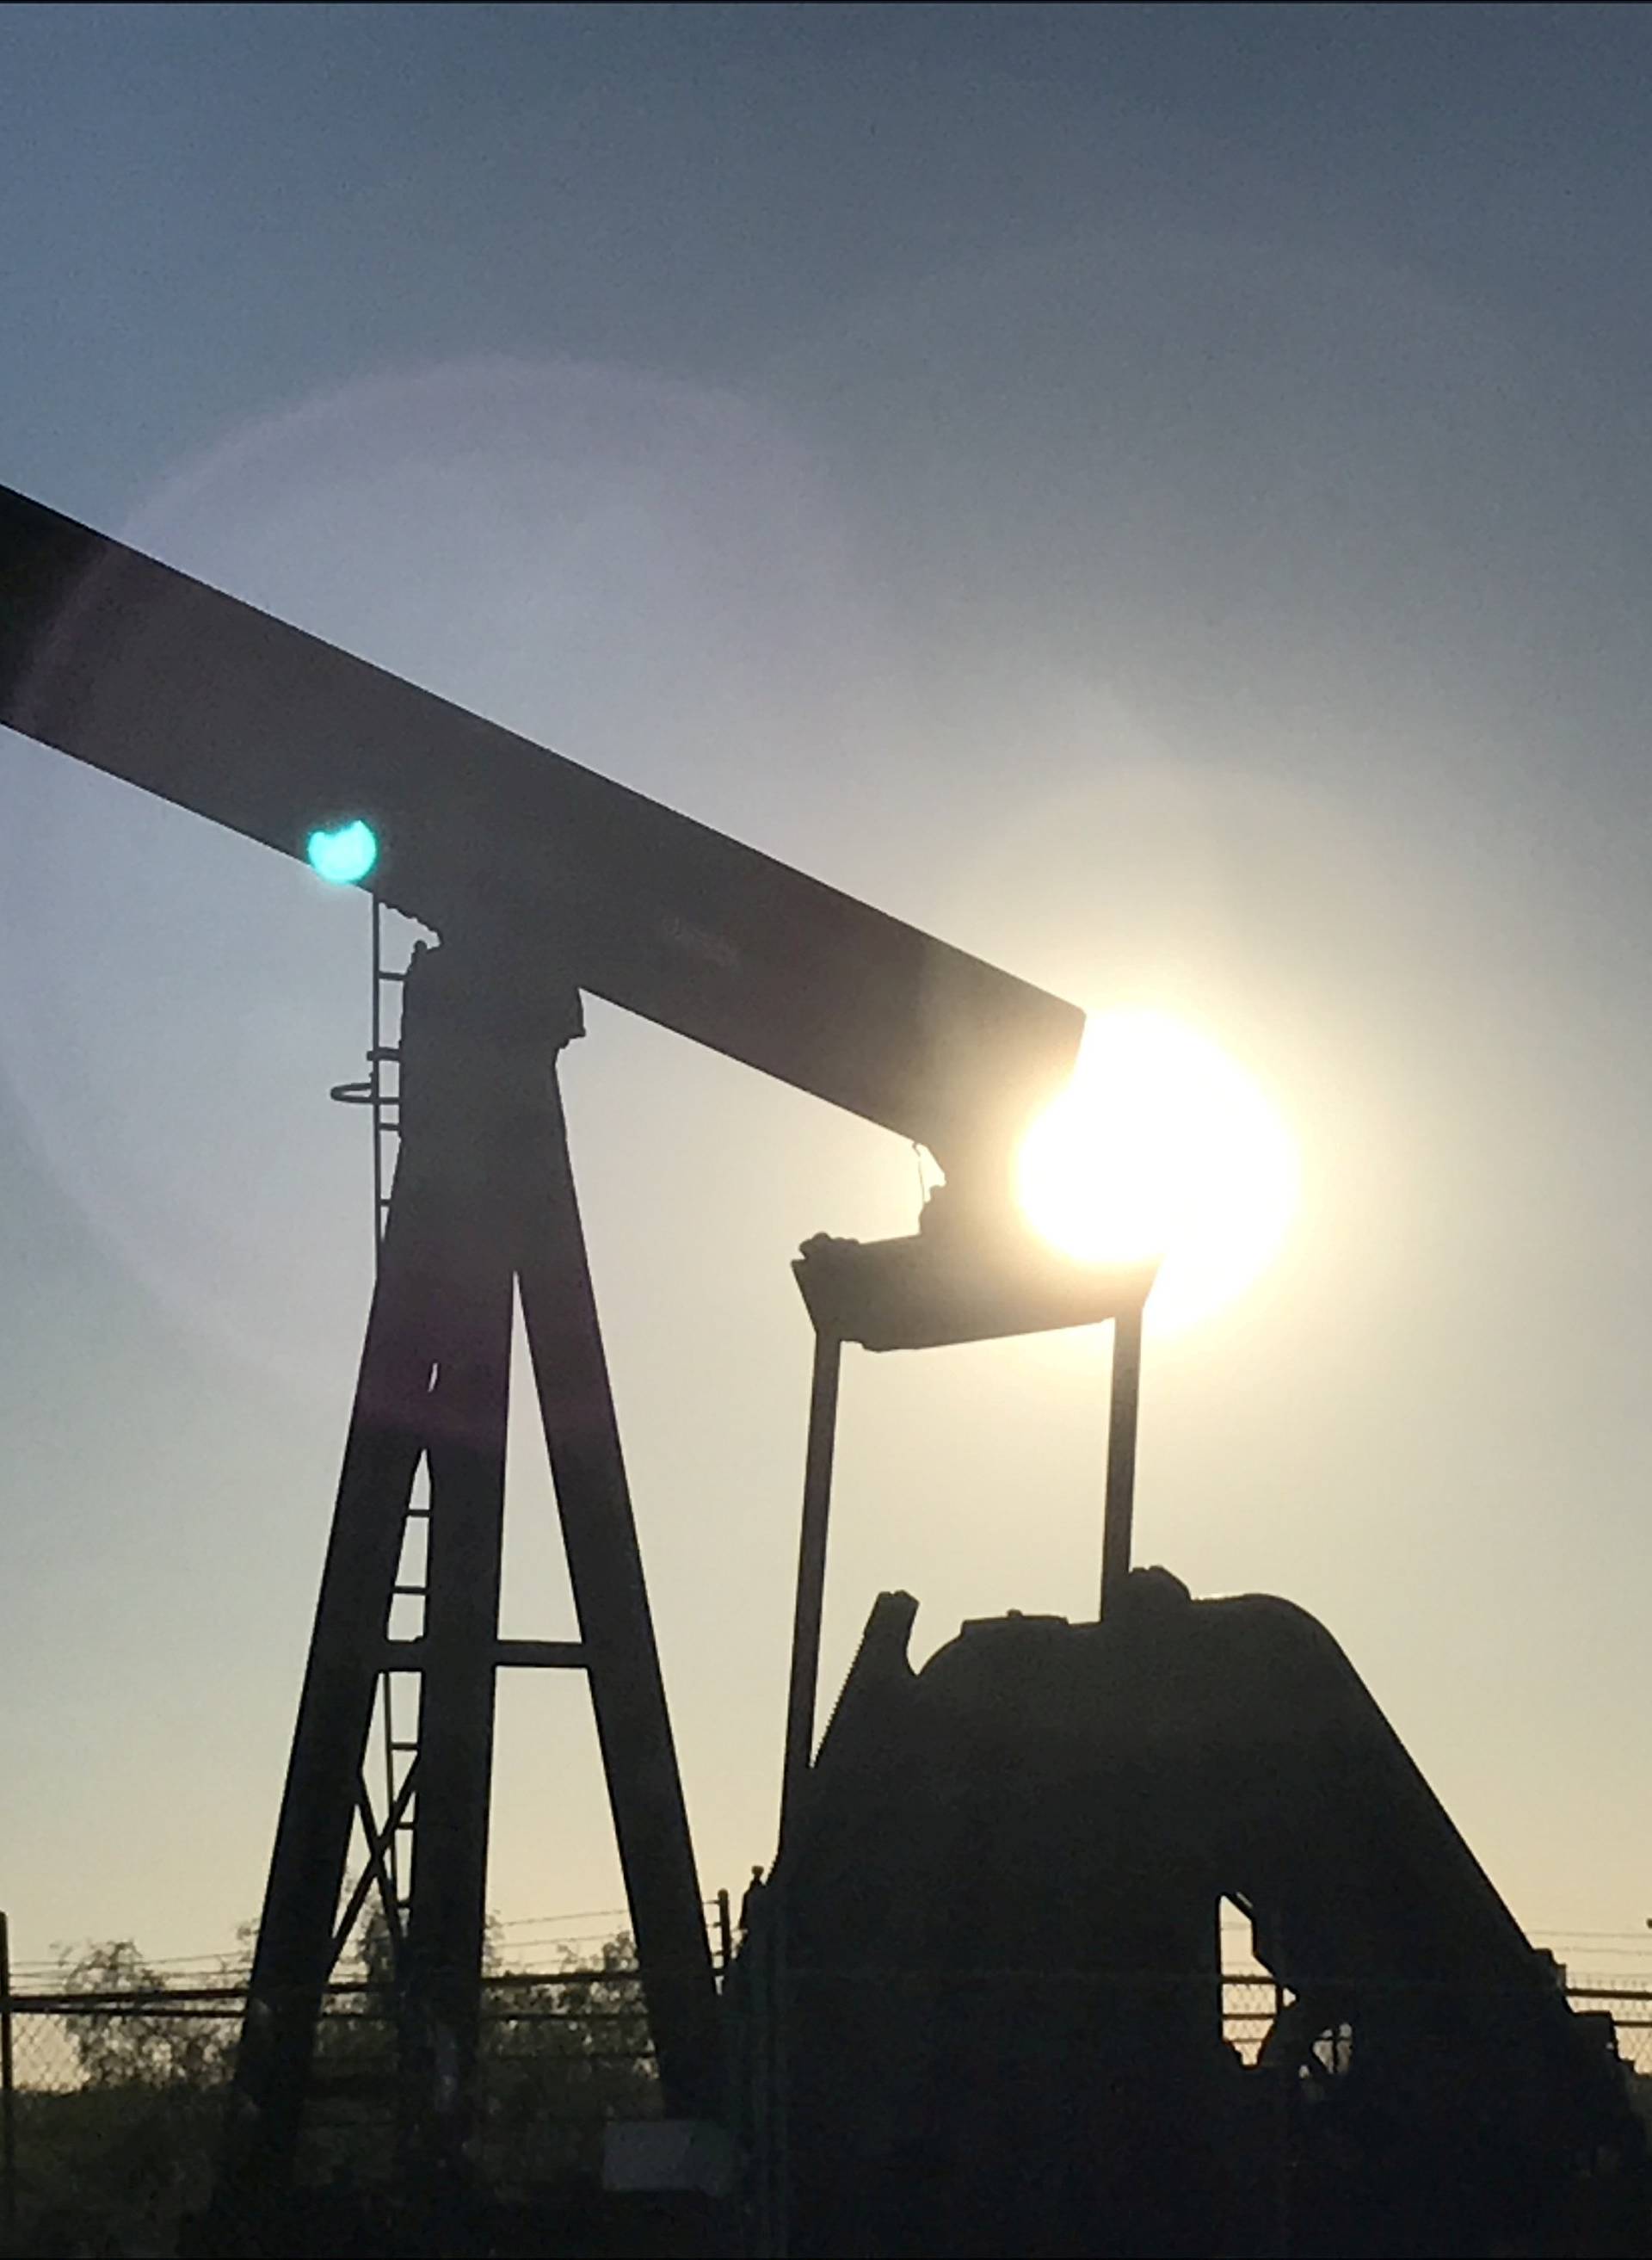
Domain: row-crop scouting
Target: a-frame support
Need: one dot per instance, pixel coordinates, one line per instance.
(484, 1208)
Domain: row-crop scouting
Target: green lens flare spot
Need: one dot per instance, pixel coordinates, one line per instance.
(344, 856)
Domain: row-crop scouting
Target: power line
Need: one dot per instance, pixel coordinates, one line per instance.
(232, 1959)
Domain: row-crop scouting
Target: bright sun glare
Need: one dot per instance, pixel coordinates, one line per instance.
(1162, 1145)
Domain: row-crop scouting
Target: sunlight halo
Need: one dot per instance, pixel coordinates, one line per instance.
(1163, 1146)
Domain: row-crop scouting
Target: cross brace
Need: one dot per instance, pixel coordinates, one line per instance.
(483, 1210)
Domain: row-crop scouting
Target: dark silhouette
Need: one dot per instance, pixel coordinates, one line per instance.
(483, 1206)
(543, 879)
(982, 1993)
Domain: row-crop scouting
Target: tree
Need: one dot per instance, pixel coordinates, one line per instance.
(559, 2053)
(135, 2042)
(561, 2056)
(111, 2163)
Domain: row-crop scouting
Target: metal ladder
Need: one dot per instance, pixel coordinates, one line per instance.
(381, 1091)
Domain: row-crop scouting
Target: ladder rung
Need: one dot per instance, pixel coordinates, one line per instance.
(404, 1746)
(422, 1590)
(558, 1654)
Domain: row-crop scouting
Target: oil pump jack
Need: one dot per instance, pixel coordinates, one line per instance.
(542, 880)
(991, 1920)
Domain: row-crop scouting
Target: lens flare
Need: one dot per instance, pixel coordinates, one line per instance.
(1163, 1146)
(344, 856)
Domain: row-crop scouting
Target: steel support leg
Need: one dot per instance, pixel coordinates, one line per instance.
(441, 1971)
(802, 1692)
(1119, 1513)
(294, 1954)
(633, 1728)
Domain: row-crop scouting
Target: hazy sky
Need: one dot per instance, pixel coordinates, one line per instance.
(1159, 495)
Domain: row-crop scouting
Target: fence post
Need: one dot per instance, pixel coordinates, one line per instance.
(8, 2094)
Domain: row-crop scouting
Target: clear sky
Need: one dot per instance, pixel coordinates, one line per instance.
(1159, 495)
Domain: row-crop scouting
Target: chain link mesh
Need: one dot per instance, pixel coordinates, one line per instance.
(118, 2102)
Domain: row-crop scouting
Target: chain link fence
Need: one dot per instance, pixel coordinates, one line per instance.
(115, 2107)
(116, 2098)
(1627, 2001)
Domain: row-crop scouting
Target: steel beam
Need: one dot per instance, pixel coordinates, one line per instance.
(1124, 1402)
(801, 1694)
(185, 691)
(446, 1922)
(633, 1728)
(294, 1954)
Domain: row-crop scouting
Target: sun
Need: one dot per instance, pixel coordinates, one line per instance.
(1163, 1146)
